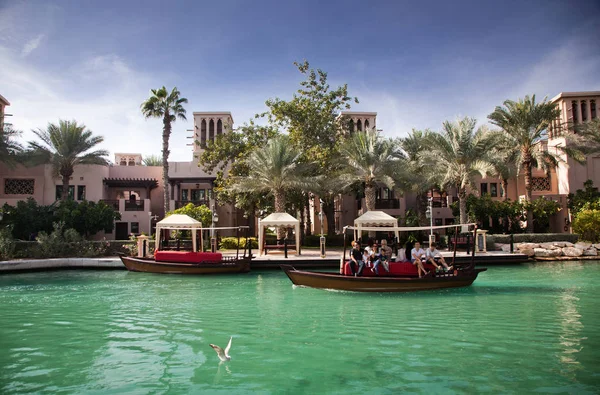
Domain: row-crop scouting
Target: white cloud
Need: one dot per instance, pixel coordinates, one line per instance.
(103, 92)
(574, 65)
(32, 45)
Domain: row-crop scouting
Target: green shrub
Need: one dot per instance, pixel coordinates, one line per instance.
(536, 238)
(7, 243)
(587, 223)
(231, 243)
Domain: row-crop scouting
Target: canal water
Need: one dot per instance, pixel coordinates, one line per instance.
(518, 329)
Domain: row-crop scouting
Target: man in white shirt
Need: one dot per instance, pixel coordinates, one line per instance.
(417, 255)
(433, 256)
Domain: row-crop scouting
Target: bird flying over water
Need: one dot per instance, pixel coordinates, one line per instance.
(223, 354)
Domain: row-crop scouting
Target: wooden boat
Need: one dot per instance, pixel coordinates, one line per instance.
(402, 276)
(342, 282)
(221, 266)
(172, 259)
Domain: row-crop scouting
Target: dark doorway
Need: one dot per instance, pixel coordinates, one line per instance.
(121, 230)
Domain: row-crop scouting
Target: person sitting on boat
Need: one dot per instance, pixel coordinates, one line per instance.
(386, 251)
(434, 256)
(417, 255)
(356, 259)
(380, 257)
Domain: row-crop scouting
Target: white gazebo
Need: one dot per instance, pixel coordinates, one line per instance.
(180, 222)
(374, 219)
(278, 220)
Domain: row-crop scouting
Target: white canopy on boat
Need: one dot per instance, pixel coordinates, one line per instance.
(278, 220)
(179, 222)
(373, 219)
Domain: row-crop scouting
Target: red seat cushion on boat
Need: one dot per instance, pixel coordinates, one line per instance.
(187, 256)
(396, 269)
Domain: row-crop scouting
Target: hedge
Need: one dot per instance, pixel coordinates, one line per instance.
(536, 237)
(231, 243)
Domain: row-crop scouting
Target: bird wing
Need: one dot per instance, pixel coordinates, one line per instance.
(228, 346)
(220, 352)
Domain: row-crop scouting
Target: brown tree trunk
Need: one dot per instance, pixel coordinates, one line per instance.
(280, 208)
(65, 191)
(528, 194)
(505, 220)
(165, 159)
(329, 212)
(370, 196)
(462, 202)
(307, 211)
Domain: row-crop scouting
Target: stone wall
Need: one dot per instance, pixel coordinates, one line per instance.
(558, 249)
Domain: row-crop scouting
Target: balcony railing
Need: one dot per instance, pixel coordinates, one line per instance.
(134, 205)
(182, 203)
(113, 203)
(383, 204)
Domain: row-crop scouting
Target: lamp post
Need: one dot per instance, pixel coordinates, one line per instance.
(322, 238)
(215, 220)
(429, 214)
(150, 218)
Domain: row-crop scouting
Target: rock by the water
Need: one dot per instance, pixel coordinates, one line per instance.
(582, 245)
(572, 251)
(549, 246)
(590, 252)
(527, 251)
(541, 252)
(522, 246)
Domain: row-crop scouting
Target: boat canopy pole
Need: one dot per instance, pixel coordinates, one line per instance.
(403, 228)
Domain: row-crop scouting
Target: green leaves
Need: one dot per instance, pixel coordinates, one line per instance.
(65, 145)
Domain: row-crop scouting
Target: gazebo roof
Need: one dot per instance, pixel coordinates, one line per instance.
(279, 219)
(179, 221)
(375, 218)
(131, 182)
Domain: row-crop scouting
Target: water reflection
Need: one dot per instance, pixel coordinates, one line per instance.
(570, 337)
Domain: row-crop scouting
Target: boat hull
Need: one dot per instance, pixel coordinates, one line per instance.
(152, 266)
(378, 284)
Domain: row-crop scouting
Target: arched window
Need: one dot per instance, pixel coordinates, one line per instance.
(359, 125)
(219, 127)
(211, 130)
(351, 126)
(574, 111)
(203, 133)
(584, 114)
(366, 124)
(131, 162)
(593, 109)
(123, 162)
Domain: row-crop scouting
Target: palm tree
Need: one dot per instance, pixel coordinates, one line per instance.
(169, 107)
(371, 160)
(458, 154)
(414, 145)
(504, 162)
(274, 169)
(65, 146)
(585, 141)
(9, 148)
(152, 160)
(525, 123)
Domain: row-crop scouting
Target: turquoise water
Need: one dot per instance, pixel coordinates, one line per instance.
(531, 328)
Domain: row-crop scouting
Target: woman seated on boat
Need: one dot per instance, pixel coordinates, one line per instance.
(417, 255)
(434, 256)
(356, 259)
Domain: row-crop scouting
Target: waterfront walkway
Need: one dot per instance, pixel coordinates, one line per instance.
(310, 258)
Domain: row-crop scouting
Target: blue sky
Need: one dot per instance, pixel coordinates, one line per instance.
(415, 63)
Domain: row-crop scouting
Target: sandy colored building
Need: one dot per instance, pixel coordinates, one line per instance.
(136, 191)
